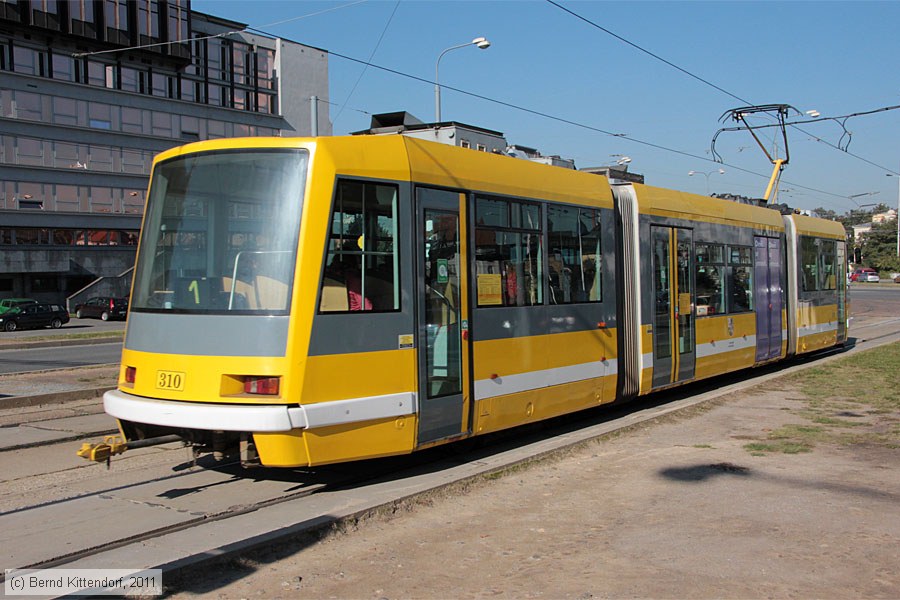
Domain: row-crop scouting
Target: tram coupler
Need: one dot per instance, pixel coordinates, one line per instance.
(115, 444)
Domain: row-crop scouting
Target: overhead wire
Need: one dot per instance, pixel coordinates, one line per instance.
(710, 84)
(565, 120)
(371, 56)
(369, 63)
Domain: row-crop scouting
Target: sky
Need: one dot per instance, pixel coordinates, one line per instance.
(582, 88)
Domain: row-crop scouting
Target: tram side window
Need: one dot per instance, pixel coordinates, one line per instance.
(740, 280)
(827, 265)
(710, 279)
(361, 263)
(508, 241)
(809, 264)
(574, 254)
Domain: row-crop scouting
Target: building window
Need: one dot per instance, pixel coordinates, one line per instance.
(65, 111)
(133, 161)
(101, 74)
(130, 79)
(265, 68)
(573, 246)
(67, 198)
(362, 264)
(100, 115)
(100, 158)
(162, 124)
(63, 67)
(508, 249)
(163, 85)
(134, 201)
(28, 106)
(710, 278)
(132, 120)
(29, 151)
(29, 61)
(100, 200)
(67, 155)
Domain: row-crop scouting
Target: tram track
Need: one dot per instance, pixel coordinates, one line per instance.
(280, 498)
(338, 477)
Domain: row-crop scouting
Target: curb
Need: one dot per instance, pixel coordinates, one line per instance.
(26, 345)
(54, 397)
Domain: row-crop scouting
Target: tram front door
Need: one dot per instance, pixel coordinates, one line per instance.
(444, 396)
(674, 349)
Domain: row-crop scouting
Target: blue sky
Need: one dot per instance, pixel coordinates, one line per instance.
(837, 58)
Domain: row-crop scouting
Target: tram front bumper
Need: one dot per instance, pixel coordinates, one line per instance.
(254, 418)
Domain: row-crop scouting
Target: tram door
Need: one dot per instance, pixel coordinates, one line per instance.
(674, 349)
(840, 272)
(444, 397)
(768, 295)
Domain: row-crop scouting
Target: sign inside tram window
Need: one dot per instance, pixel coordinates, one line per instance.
(489, 289)
(443, 271)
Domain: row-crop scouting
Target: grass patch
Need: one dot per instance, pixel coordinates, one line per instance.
(777, 446)
(865, 386)
(831, 421)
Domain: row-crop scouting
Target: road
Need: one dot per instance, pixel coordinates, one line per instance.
(78, 326)
(23, 360)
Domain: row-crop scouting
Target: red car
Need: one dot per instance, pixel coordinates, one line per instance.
(865, 274)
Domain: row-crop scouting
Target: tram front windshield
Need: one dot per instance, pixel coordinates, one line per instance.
(220, 233)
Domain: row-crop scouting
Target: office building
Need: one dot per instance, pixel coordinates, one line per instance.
(90, 91)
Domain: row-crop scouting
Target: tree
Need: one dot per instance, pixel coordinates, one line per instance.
(879, 247)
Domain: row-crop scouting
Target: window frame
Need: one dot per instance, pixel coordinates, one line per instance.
(332, 253)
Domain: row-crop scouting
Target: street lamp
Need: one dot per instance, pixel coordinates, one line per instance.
(480, 43)
(858, 205)
(706, 174)
(898, 214)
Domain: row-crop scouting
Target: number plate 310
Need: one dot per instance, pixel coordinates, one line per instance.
(170, 380)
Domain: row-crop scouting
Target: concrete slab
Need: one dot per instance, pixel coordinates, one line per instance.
(56, 430)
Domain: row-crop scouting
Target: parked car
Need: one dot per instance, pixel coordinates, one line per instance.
(8, 303)
(103, 307)
(865, 274)
(34, 315)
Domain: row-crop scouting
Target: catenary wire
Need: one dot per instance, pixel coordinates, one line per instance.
(506, 104)
(710, 84)
(371, 56)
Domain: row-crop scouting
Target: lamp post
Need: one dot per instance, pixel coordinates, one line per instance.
(706, 174)
(898, 214)
(858, 205)
(480, 43)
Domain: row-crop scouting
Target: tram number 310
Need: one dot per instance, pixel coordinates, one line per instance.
(170, 380)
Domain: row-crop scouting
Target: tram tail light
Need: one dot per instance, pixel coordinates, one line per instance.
(264, 386)
(130, 375)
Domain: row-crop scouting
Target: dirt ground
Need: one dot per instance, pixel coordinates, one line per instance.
(695, 506)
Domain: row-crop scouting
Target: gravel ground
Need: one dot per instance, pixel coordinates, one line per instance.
(681, 508)
(62, 380)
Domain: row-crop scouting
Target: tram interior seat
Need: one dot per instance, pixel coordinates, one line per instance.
(334, 296)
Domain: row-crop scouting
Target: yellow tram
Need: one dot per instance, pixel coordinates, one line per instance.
(317, 300)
